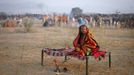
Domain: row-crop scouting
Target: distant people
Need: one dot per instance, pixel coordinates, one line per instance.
(82, 21)
(45, 24)
(48, 22)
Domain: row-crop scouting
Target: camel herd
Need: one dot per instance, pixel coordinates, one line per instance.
(96, 20)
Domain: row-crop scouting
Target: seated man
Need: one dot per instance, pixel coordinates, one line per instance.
(85, 42)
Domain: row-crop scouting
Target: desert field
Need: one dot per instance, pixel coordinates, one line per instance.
(20, 52)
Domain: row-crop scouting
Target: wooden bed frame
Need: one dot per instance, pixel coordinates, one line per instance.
(87, 58)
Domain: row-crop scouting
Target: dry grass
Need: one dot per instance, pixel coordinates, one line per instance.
(20, 52)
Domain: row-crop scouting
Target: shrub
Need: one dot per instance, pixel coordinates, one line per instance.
(28, 23)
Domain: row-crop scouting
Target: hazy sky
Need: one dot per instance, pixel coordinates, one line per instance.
(45, 6)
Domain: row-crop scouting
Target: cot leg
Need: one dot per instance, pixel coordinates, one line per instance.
(65, 58)
(86, 65)
(109, 59)
(42, 55)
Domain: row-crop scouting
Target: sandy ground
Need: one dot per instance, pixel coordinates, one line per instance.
(20, 53)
